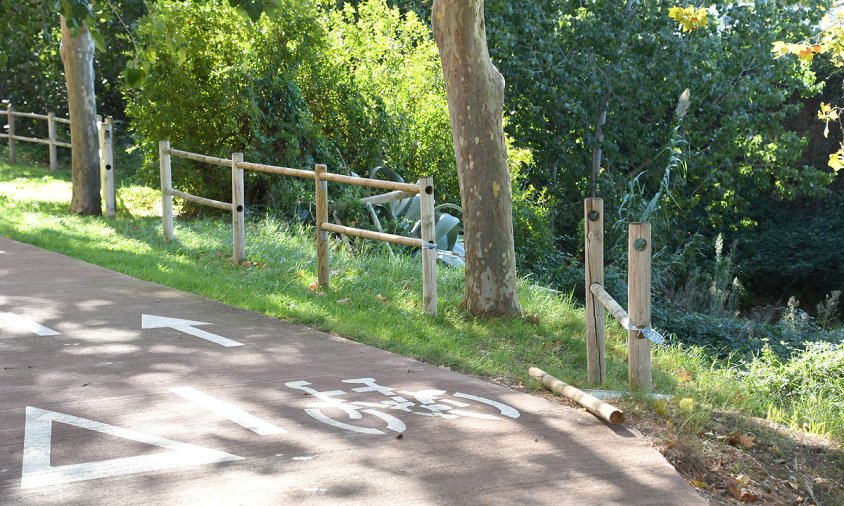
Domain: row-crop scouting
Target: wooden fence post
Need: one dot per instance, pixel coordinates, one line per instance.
(321, 217)
(107, 166)
(596, 363)
(639, 305)
(238, 211)
(51, 134)
(429, 240)
(10, 111)
(166, 187)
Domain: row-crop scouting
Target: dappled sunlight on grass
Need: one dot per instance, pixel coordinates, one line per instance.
(373, 298)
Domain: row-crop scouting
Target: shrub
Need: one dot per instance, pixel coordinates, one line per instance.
(217, 83)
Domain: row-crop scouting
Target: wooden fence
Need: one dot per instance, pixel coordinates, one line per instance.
(106, 142)
(640, 334)
(424, 188)
(51, 141)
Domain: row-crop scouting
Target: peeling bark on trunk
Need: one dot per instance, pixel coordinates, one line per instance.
(475, 102)
(78, 58)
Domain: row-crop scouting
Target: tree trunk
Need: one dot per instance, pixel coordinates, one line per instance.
(78, 58)
(475, 102)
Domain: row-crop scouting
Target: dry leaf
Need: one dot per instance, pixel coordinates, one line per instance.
(742, 494)
(314, 286)
(344, 301)
(742, 480)
(715, 465)
(381, 298)
(700, 484)
(684, 376)
(794, 484)
(747, 440)
(534, 318)
(743, 440)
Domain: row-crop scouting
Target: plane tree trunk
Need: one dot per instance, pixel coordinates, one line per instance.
(475, 91)
(77, 53)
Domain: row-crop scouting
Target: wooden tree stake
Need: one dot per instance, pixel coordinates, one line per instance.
(10, 111)
(429, 243)
(321, 218)
(107, 165)
(639, 305)
(238, 211)
(596, 364)
(51, 135)
(166, 187)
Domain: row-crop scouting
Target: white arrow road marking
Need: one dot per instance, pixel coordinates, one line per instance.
(14, 320)
(226, 410)
(157, 322)
(37, 471)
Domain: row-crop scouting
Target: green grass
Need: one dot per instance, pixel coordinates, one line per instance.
(377, 301)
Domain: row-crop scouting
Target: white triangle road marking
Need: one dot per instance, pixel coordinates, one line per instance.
(37, 471)
(18, 321)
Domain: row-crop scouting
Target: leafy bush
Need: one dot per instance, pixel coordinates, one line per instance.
(378, 93)
(796, 250)
(727, 336)
(216, 83)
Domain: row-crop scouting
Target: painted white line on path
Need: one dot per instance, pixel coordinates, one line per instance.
(36, 470)
(228, 411)
(19, 322)
(187, 326)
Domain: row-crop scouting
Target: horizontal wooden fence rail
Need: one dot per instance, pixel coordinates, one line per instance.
(425, 189)
(413, 242)
(371, 183)
(225, 206)
(222, 162)
(321, 177)
(105, 130)
(281, 171)
(236, 207)
(51, 141)
(386, 198)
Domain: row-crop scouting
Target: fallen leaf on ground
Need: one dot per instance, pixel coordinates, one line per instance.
(344, 301)
(743, 440)
(740, 493)
(742, 480)
(700, 484)
(381, 298)
(684, 376)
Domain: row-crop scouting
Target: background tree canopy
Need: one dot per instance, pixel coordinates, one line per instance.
(357, 84)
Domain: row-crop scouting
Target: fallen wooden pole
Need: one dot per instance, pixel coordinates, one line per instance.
(592, 404)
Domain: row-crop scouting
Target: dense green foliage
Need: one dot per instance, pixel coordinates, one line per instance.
(353, 89)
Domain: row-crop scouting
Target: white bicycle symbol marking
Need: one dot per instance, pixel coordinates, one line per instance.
(426, 400)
